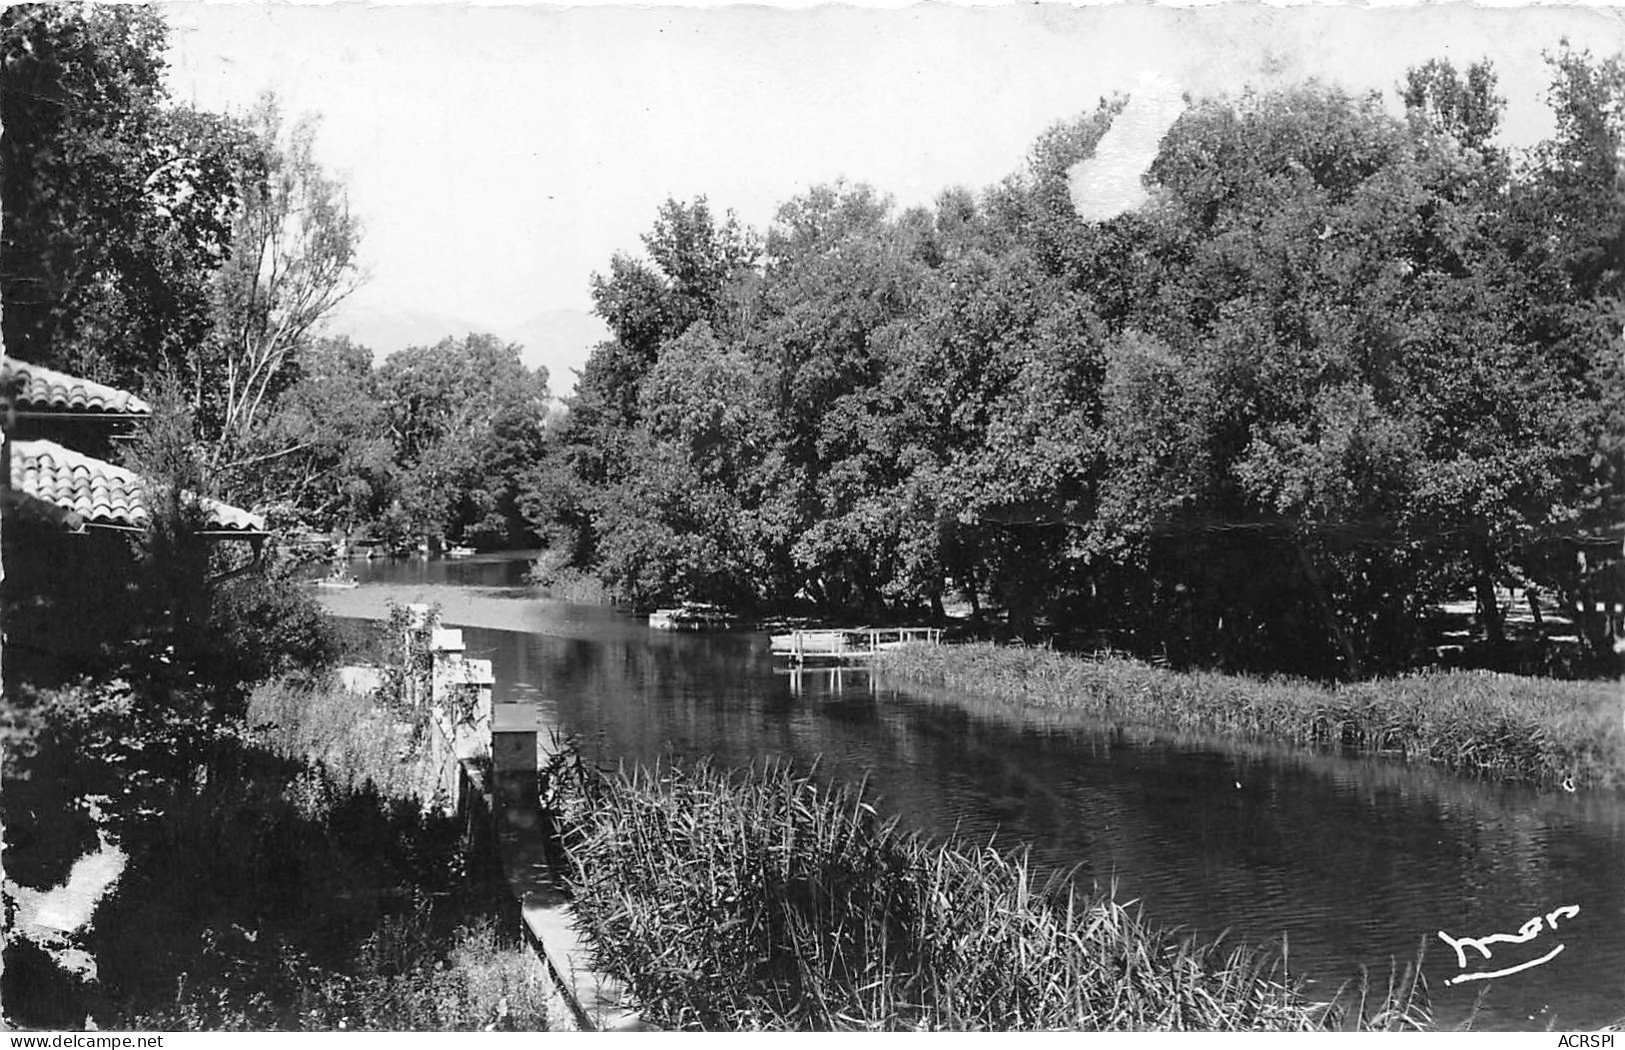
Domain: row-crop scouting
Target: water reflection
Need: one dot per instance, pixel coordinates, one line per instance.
(1354, 861)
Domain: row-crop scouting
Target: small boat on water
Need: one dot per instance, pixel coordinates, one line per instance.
(339, 581)
(693, 616)
(460, 552)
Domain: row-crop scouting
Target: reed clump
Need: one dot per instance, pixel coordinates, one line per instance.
(1479, 723)
(762, 901)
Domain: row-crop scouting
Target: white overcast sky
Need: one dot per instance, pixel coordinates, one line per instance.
(500, 155)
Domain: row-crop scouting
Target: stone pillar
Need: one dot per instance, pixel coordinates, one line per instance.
(460, 691)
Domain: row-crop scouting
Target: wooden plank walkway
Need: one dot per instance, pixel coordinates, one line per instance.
(596, 1001)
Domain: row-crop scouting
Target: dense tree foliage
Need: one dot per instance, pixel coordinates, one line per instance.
(466, 419)
(324, 454)
(118, 204)
(1345, 364)
(440, 443)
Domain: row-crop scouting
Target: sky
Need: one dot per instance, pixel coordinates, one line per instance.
(500, 155)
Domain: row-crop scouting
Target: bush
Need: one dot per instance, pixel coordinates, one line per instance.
(553, 574)
(270, 625)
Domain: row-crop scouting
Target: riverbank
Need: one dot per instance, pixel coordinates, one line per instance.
(1547, 732)
(762, 900)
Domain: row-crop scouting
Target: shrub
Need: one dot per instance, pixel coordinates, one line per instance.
(553, 574)
(270, 625)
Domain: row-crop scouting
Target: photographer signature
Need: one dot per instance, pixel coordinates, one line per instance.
(1526, 933)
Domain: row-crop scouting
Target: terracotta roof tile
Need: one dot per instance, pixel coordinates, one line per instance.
(39, 389)
(99, 493)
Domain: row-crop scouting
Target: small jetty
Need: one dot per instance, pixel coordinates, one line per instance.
(849, 643)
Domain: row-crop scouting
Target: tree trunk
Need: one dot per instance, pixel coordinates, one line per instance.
(1489, 607)
(969, 586)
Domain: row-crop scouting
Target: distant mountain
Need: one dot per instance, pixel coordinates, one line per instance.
(384, 329)
(559, 340)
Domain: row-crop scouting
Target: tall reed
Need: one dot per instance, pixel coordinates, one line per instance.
(1507, 727)
(764, 901)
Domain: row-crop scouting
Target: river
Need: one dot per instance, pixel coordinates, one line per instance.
(1354, 861)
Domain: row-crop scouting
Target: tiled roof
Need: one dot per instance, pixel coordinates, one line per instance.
(98, 493)
(39, 389)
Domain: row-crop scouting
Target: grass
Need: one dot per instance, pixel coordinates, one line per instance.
(355, 739)
(400, 979)
(1537, 730)
(761, 901)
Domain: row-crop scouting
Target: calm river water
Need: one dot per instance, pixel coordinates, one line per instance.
(1355, 862)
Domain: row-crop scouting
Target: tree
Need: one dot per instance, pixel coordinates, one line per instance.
(665, 534)
(697, 267)
(679, 522)
(842, 280)
(465, 418)
(293, 258)
(699, 272)
(1467, 108)
(117, 205)
(1340, 366)
(141, 236)
(1566, 233)
(703, 398)
(324, 455)
(1262, 445)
